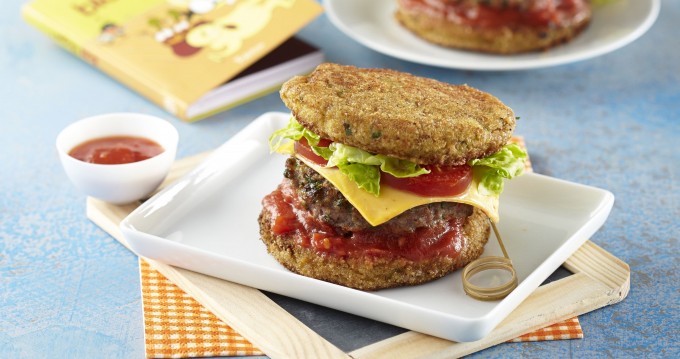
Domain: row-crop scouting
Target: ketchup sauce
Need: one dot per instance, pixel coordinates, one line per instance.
(422, 243)
(116, 150)
(534, 13)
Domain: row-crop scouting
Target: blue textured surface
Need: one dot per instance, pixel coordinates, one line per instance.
(69, 290)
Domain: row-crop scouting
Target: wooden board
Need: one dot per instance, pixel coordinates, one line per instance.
(599, 279)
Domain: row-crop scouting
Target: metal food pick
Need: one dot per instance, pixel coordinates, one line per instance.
(490, 263)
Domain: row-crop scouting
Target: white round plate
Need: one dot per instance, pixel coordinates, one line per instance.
(372, 24)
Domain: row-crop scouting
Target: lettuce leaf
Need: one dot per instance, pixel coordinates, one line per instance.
(366, 177)
(490, 171)
(394, 166)
(293, 131)
(362, 167)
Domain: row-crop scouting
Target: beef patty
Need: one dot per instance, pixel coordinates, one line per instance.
(324, 201)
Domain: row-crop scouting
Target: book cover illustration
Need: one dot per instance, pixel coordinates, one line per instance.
(171, 51)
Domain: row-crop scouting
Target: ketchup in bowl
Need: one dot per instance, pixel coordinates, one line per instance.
(118, 158)
(114, 150)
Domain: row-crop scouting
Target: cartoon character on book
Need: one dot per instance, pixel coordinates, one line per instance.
(172, 31)
(225, 36)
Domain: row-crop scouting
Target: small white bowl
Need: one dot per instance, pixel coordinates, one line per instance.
(118, 183)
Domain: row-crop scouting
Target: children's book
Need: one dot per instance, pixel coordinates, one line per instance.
(194, 58)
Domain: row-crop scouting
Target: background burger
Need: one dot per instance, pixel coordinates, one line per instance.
(391, 177)
(495, 26)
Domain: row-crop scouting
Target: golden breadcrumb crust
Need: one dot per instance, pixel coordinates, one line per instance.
(398, 114)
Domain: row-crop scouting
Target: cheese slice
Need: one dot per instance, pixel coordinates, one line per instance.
(392, 202)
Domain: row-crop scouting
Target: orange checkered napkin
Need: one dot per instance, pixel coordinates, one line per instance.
(568, 329)
(177, 326)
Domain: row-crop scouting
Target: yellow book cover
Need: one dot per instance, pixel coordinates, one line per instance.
(184, 54)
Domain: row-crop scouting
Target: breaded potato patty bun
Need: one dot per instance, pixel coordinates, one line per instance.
(391, 179)
(495, 26)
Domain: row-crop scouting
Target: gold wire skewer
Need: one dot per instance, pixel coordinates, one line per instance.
(489, 263)
(500, 241)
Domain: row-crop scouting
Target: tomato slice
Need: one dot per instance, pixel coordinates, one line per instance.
(302, 148)
(441, 181)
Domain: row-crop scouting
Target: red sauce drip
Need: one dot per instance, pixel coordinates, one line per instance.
(116, 150)
(287, 216)
(540, 13)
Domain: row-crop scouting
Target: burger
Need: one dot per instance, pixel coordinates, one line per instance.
(495, 26)
(391, 178)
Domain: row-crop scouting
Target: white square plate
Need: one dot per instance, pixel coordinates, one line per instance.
(207, 222)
